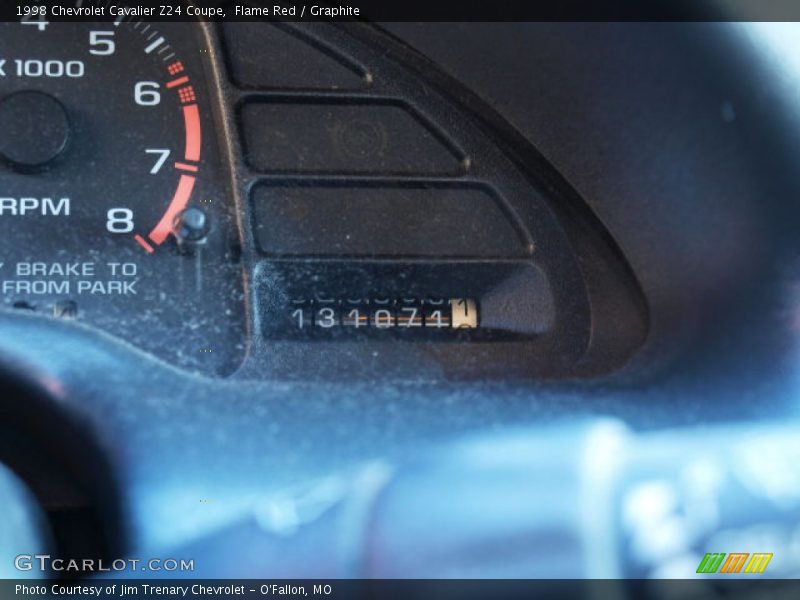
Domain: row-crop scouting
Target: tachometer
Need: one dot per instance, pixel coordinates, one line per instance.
(112, 206)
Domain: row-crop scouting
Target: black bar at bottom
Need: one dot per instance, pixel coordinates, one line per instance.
(702, 588)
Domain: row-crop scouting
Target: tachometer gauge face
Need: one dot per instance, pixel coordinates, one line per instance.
(113, 207)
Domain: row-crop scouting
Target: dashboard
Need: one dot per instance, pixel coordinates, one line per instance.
(230, 214)
(318, 288)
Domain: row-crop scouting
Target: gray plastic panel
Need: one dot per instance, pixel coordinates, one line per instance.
(286, 59)
(344, 137)
(363, 220)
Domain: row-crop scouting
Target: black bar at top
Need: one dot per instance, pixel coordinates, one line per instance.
(442, 10)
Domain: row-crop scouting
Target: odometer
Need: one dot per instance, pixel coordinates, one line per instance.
(111, 196)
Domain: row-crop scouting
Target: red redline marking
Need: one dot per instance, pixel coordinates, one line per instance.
(186, 94)
(178, 203)
(185, 167)
(177, 82)
(191, 119)
(143, 243)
